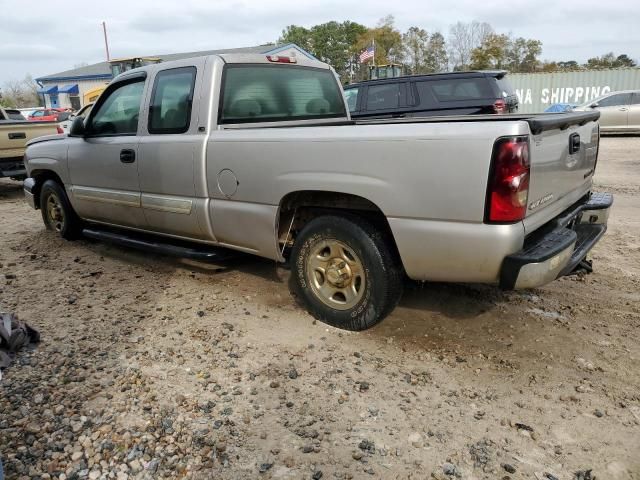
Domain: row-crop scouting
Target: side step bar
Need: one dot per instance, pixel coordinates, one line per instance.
(161, 245)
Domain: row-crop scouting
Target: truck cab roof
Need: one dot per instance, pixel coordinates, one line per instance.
(444, 75)
(234, 58)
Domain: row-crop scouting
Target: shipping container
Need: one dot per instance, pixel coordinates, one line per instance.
(538, 91)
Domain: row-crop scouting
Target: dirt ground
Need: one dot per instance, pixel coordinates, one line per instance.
(151, 367)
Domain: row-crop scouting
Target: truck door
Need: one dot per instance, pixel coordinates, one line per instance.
(171, 154)
(634, 112)
(103, 164)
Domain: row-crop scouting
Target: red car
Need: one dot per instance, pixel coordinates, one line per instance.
(45, 115)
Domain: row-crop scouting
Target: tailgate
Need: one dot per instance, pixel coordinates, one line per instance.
(563, 162)
(14, 136)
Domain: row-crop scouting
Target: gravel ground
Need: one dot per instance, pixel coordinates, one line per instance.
(151, 367)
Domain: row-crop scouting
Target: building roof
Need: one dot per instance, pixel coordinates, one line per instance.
(103, 70)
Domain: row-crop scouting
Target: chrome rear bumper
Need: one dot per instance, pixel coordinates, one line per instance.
(559, 247)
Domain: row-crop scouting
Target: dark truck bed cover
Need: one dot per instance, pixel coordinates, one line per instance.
(538, 122)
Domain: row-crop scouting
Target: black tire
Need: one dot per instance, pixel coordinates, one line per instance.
(373, 258)
(60, 217)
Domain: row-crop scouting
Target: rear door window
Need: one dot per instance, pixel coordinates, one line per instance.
(170, 109)
(426, 97)
(615, 100)
(276, 93)
(383, 97)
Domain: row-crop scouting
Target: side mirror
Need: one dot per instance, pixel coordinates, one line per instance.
(594, 105)
(77, 128)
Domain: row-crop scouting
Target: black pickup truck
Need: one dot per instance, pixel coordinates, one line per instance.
(454, 93)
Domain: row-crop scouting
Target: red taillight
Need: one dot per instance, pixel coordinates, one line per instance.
(278, 59)
(59, 129)
(508, 188)
(500, 106)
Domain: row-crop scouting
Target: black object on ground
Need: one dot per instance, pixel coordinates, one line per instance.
(14, 335)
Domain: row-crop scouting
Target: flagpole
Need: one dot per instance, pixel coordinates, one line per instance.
(374, 52)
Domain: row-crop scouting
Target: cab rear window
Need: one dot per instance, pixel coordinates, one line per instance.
(276, 93)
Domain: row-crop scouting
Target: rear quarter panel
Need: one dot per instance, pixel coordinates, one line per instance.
(410, 171)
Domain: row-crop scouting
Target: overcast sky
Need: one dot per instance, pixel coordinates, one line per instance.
(43, 37)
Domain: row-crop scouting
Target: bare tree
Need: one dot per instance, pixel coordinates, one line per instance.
(463, 39)
(20, 93)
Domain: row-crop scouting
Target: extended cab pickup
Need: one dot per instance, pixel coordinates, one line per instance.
(14, 135)
(259, 154)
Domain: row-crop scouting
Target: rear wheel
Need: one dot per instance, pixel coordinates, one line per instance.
(345, 273)
(57, 213)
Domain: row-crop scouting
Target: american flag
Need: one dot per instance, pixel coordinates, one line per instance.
(367, 54)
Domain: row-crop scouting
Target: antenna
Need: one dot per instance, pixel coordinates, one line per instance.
(106, 42)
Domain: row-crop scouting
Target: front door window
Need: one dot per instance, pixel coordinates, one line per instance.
(118, 114)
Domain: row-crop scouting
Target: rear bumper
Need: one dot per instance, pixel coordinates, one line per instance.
(28, 186)
(559, 246)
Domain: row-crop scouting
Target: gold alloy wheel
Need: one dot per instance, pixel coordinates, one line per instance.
(336, 274)
(55, 213)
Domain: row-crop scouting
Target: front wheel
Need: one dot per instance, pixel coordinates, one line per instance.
(57, 213)
(345, 273)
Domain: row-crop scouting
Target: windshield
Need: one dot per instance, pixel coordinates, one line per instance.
(351, 95)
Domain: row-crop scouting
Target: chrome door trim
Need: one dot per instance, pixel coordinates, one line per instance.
(165, 203)
(116, 197)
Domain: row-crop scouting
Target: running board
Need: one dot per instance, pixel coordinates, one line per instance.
(161, 245)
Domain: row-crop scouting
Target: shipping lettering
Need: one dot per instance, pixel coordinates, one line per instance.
(573, 95)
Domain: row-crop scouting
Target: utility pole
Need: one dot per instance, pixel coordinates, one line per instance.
(106, 42)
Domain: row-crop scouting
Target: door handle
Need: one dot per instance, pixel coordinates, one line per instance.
(17, 135)
(127, 155)
(623, 109)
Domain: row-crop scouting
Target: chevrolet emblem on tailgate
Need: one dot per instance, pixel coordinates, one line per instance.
(540, 201)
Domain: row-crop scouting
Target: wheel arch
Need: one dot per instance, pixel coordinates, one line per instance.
(296, 208)
(40, 176)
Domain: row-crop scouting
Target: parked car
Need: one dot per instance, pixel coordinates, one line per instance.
(27, 111)
(46, 115)
(453, 93)
(14, 135)
(82, 113)
(258, 154)
(619, 111)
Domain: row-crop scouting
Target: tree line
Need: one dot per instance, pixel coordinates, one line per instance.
(468, 46)
(20, 93)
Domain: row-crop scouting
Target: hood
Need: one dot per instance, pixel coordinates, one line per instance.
(46, 138)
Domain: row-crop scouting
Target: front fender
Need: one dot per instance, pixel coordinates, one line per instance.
(42, 157)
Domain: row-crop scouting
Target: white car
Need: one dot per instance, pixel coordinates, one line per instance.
(28, 111)
(619, 111)
(83, 112)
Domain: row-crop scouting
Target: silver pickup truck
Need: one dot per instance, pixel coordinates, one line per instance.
(259, 154)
